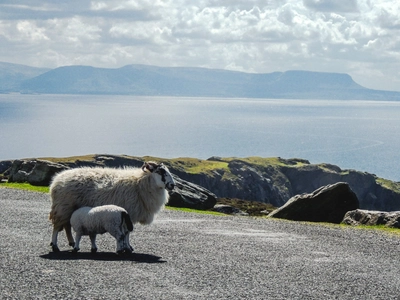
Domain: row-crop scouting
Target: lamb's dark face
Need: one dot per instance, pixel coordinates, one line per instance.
(161, 175)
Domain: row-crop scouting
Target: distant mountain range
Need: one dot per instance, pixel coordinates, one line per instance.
(13, 75)
(184, 81)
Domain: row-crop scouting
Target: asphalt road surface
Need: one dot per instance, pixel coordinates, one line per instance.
(195, 256)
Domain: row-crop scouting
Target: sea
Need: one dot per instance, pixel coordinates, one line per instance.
(360, 135)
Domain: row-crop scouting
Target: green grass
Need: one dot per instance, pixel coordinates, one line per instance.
(197, 166)
(191, 210)
(394, 186)
(25, 186)
(379, 228)
(71, 159)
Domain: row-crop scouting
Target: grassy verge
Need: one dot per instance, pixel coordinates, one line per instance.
(380, 228)
(25, 186)
(190, 210)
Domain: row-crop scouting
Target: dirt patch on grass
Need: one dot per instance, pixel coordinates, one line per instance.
(253, 208)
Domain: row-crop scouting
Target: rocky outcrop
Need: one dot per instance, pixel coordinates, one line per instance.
(276, 183)
(190, 195)
(368, 217)
(5, 166)
(35, 172)
(326, 204)
(371, 195)
(41, 171)
(266, 180)
(244, 180)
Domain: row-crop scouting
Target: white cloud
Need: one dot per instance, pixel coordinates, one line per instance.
(332, 5)
(356, 37)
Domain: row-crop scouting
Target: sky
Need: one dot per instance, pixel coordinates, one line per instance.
(360, 38)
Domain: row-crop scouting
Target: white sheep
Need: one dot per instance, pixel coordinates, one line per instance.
(101, 219)
(141, 191)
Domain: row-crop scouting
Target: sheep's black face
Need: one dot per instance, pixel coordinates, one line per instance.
(166, 177)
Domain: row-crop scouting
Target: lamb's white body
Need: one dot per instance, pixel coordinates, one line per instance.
(101, 219)
(141, 191)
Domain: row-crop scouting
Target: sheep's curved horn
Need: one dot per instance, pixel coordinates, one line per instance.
(151, 166)
(145, 167)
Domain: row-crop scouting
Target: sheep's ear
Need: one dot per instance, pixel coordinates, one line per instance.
(148, 166)
(158, 167)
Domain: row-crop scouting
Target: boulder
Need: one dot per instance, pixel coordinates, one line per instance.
(371, 217)
(190, 195)
(35, 172)
(5, 165)
(326, 204)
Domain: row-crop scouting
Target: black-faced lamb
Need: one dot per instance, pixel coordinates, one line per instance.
(101, 219)
(141, 191)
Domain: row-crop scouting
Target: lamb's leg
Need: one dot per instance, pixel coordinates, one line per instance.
(120, 243)
(78, 237)
(54, 237)
(93, 240)
(128, 248)
(69, 235)
(119, 237)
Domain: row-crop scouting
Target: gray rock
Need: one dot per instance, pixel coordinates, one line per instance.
(326, 204)
(310, 177)
(369, 217)
(5, 165)
(35, 172)
(245, 181)
(190, 195)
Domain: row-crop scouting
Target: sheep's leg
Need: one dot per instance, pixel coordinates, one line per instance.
(127, 246)
(78, 237)
(69, 235)
(119, 237)
(93, 240)
(54, 237)
(120, 243)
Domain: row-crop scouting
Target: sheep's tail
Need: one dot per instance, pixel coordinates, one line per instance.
(51, 215)
(125, 218)
(61, 212)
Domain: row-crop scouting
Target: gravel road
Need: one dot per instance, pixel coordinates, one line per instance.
(195, 256)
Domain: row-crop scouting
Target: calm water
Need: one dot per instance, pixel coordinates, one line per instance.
(361, 135)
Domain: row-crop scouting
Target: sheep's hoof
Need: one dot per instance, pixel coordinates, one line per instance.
(125, 251)
(72, 244)
(75, 250)
(54, 248)
(93, 250)
(128, 250)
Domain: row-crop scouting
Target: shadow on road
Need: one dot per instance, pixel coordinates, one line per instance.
(104, 256)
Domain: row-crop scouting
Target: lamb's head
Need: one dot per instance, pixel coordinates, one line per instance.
(161, 175)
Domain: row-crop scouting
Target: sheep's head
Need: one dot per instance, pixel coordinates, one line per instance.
(162, 176)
